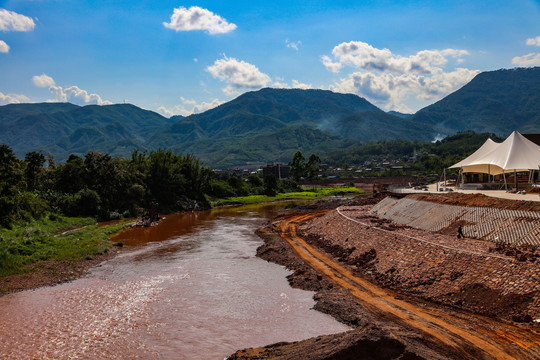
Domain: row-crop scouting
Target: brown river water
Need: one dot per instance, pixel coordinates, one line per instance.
(190, 288)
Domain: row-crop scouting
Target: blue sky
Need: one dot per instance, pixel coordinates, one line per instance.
(179, 57)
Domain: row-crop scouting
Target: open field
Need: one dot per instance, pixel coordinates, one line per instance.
(308, 194)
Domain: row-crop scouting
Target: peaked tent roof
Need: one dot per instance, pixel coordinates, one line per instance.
(514, 153)
(466, 163)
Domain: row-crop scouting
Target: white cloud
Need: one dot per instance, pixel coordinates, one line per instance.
(197, 18)
(534, 41)
(13, 99)
(11, 21)
(43, 81)
(167, 112)
(387, 79)
(334, 67)
(239, 75)
(4, 48)
(361, 55)
(79, 96)
(532, 59)
(280, 85)
(188, 101)
(298, 85)
(191, 108)
(72, 94)
(293, 44)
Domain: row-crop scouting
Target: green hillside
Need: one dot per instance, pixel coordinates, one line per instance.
(260, 149)
(12, 112)
(272, 124)
(62, 129)
(371, 126)
(496, 101)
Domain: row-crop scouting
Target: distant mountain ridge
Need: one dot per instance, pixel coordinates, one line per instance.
(269, 125)
(496, 101)
(63, 128)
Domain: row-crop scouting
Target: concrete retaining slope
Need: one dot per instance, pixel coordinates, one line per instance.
(497, 225)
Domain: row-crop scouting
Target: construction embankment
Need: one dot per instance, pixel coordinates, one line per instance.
(407, 293)
(410, 245)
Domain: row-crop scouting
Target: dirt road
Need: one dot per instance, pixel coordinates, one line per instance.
(461, 335)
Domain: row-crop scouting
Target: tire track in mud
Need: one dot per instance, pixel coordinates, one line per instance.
(466, 338)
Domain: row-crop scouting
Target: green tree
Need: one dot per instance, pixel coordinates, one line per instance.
(10, 185)
(33, 170)
(297, 165)
(255, 180)
(71, 176)
(172, 176)
(312, 167)
(270, 185)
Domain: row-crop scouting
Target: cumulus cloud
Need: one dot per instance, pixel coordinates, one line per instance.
(188, 107)
(43, 81)
(532, 59)
(197, 18)
(4, 48)
(334, 67)
(75, 95)
(239, 75)
(298, 85)
(13, 99)
(387, 79)
(293, 44)
(361, 55)
(533, 41)
(279, 83)
(72, 94)
(11, 21)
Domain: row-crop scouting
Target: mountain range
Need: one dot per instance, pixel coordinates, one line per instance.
(269, 125)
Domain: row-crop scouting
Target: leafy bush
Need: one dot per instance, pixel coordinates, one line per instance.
(221, 189)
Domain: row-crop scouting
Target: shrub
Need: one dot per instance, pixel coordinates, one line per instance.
(221, 189)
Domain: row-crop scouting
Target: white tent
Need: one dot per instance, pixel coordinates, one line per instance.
(516, 153)
(469, 163)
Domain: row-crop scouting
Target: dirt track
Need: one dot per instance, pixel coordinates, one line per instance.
(449, 334)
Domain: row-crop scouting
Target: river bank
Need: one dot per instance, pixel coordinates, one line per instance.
(54, 251)
(189, 288)
(35, 255)
(383, 334)
(50, 272)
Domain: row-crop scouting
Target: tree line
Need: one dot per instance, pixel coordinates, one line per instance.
(432, 156)
(106, 187)
(98, 185)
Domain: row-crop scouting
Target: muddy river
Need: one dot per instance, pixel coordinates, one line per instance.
(190, 288)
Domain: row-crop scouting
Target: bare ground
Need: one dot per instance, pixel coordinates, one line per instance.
(378, 335)
(48, 273)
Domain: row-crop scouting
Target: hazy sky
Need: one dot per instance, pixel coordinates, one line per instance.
(179, 57)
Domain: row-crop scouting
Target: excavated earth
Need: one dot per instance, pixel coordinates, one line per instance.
(483, 280)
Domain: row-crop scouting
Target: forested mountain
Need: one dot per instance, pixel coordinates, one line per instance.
(267, 110)
(62, 129)
(496, 101)
(371, 126)
(271, 124)
(242, 130)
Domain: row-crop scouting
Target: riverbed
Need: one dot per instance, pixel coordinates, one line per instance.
(190, 288)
